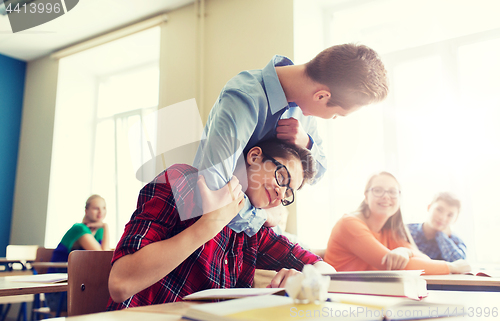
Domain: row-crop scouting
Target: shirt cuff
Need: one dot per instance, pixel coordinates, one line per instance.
(248, 220)
(312, 141)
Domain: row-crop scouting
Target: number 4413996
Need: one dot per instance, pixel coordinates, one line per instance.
(34, 8)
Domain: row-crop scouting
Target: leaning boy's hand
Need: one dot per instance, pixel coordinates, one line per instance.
(290, 130)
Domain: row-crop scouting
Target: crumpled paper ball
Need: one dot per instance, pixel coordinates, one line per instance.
(310, 286)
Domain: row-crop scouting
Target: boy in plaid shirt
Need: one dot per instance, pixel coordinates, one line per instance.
(161, 258)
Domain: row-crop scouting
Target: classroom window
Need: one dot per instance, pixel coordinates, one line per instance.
(437, 130)
(102, 94)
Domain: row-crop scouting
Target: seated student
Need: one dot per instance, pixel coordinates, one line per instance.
(91, 234)
(375, 238)
(434, 236)
(161, 258)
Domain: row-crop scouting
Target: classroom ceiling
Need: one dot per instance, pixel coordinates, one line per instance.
(89, 18)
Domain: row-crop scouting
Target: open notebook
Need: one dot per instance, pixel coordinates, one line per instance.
(341, 307)
(487, 273)
(233, 293)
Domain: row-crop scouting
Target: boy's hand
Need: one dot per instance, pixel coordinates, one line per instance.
(213, 200)
(290, 130)
(220, 206)
(397, 259)
(281, 277)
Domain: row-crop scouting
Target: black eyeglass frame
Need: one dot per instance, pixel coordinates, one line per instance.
(385, 191)
(279, 166)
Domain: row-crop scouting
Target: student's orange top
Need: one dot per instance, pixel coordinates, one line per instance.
(354, 247)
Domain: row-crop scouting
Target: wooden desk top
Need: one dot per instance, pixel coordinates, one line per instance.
(178, 308)
(10, 287)
(123, 315)
(49, 264)
(477, 302)
(460, 279)
(4, 260)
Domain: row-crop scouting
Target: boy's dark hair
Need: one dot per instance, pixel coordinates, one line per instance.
(277, 148)
(447, 197)
(354, 74)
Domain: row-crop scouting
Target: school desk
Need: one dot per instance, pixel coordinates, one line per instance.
(35, 265)
(10, 287)
(9, 262)
(460, 282)
(476, 306)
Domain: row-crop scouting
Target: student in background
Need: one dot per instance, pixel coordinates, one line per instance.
(91, 234)
(374, 237)
(434, 236)
(279, 101)
(161, 258)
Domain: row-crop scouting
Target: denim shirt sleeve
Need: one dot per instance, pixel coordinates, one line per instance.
(316, 150)
(230, 125)
(452, 248)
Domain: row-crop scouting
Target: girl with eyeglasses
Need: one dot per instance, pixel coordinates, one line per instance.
(374, 236)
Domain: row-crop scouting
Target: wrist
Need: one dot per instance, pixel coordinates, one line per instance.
(451, 267)
(205, 229)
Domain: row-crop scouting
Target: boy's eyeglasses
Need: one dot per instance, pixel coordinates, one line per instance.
(283, 178)
(379, 191)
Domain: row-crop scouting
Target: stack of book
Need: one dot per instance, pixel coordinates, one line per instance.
(408, 284)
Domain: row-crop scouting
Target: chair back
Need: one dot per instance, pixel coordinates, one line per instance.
(21, 252)
(43, 255)
(88, 273)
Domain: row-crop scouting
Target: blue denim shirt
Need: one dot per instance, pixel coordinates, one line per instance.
(441, 247)
(247, 111)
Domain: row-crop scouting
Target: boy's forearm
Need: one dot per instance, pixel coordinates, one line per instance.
(134, 272)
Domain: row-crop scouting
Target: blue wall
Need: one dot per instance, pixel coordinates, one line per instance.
(12, 74)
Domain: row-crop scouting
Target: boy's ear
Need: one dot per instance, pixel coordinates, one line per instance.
(253, 155)
(322, 95)
(429, 207)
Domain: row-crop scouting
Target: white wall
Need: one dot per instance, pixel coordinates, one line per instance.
(35, 150)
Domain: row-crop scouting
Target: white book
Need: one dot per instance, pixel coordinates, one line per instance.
(233, 293)
(408, 284)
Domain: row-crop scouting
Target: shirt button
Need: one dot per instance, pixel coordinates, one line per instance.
(225, 261)
(249, 230)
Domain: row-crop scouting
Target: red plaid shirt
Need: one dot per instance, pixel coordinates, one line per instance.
(228, 260)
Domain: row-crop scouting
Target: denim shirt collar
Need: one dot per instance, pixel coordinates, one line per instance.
(276, 95)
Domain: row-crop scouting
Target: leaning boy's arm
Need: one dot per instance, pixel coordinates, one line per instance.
(317, 152)
(220, 153)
